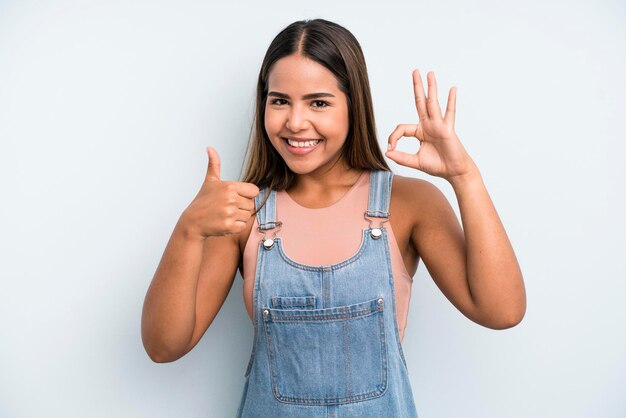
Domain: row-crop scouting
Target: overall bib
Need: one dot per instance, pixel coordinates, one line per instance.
(326, 341)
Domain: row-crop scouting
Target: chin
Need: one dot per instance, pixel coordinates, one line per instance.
(300, 168)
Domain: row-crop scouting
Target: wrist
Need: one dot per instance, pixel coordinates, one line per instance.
(185, 229)
(471, 176)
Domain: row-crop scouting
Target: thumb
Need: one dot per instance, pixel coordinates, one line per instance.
(213, 171)
(405, 159)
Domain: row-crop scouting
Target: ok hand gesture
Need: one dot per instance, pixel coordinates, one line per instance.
(441, 152)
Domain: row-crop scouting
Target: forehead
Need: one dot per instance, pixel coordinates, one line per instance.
(301, 74)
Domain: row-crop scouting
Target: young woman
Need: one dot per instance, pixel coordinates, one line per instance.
(327, 239)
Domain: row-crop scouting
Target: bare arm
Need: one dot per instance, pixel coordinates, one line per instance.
(493, 273)
(189, 287)
(198, 266)
(475, 267)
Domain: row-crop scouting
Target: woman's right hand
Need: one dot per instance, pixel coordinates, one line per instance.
(220, 207)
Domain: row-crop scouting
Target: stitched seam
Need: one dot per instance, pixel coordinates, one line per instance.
(392, 289)
(346, 349)
(341, 264)
(272, 359)
(333, 401)
(293, 301)
(287, 316)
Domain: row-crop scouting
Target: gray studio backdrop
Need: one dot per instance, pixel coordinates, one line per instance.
(106, 108)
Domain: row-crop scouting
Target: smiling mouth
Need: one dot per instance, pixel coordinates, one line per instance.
(302, 144)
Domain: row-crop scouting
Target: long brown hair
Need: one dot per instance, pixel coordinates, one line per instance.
(334, 47)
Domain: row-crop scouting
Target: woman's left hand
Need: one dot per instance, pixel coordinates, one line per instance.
(441, 152)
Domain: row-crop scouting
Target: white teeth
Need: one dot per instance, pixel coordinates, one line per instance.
(303, 144)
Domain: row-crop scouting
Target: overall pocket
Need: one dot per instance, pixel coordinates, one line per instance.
(327, 356)
(283, 302)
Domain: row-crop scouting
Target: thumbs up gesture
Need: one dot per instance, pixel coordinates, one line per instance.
(220, 207)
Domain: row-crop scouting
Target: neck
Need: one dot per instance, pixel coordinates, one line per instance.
(320, 190)
(337, 176)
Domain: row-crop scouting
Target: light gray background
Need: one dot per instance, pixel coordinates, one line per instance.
(105, 110)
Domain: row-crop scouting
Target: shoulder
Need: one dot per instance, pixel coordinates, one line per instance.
(415, 200)
(411, 191)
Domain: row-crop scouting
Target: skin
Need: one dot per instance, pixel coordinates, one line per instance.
(322, 175)
(474, 266)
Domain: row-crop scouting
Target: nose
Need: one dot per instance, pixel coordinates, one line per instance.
(297, 119)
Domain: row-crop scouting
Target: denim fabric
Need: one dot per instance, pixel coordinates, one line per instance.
(326, 341)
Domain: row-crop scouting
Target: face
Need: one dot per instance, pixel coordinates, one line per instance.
(306, 114)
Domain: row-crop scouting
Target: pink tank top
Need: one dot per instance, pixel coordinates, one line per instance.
(319, 237)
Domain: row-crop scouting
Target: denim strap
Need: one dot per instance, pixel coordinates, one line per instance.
(266, 217)
(380, 193)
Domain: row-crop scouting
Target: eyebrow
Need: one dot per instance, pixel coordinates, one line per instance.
(305, 97)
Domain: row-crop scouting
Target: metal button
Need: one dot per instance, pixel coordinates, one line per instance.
(265, 312)
(380, 301)
(268, 243)
(376, 233)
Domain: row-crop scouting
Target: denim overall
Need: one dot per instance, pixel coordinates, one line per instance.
(326, 341)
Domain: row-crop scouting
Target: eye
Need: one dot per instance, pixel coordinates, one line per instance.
(278, 102)
(320, 103)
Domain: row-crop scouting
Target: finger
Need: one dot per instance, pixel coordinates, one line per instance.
(432, 102)
(403, 158)
(248, 190)
(451, 107)
(239, 222)
(420, 96)
(242, 216)
(401, 131)
(244, 203)
(213, 171)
